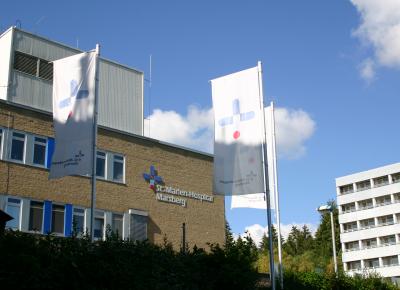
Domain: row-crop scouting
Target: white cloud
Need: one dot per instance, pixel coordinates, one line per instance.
(367, 70)
(380, 29)
(293, 128)
(257, 231)
(195, 129)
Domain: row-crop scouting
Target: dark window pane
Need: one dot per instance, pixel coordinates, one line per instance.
(138, 227)
(98, 228)
(36, 216)
(118, 173)
(17, 150)
(57, 220)
(46, 70)
(77, 224)
(120, 158)
(25, 63)
(39, 154)
(100, 167)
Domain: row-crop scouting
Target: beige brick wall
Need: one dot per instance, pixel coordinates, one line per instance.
(179, 168)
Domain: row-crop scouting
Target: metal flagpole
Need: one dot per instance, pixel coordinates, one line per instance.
(266, 183)
(275, 174)
(94, 155)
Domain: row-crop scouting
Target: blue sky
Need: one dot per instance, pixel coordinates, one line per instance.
(332, 67)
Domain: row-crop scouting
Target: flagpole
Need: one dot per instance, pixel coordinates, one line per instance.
(94, 153)
(266, 183)
(275, 174)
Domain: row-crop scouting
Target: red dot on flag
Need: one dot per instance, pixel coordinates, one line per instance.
(236, 134)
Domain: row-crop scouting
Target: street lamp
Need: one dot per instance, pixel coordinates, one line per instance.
(324, 209)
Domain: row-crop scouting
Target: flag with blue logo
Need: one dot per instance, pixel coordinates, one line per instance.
(257, 200)
(238, 132)
(73, 112)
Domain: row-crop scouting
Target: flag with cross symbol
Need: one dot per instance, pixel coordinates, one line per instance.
(238, 133)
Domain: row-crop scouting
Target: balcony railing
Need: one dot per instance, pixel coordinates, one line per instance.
(370, 247)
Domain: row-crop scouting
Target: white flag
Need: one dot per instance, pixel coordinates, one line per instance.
(257, 200)
(238, 133)
(73, 111)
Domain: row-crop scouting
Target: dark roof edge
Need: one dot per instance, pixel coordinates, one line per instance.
(25, 107)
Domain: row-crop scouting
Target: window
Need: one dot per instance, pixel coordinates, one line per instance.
(33, 65)
(45, 69)
(99, 225)
(57, 219)
(383, 200)
(369, 243)
(78, 221)
(355, 265)
(371, 263)
(367, 223)
(363, 185)
(345, 189)
(39, 151)
(388, 240)
(349, 207)
(381, 181)
(25, 63)
(101, 164)
(138, 227)
(397, 197)
(396, 177)
(117, 224)
(14, 210)
(349, 227)
(36, 216)
(352, 246)
(17, 146)
(118, 168)
(385, 220)
(365, 204)
(1, 142)
(390, 261)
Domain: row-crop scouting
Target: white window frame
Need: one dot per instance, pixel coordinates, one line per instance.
(23, 150)
(123, 167)
(105, 177)
(34, 142)
(20, 209)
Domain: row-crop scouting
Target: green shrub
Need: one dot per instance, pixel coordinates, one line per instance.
(36, 261)
(328, 281)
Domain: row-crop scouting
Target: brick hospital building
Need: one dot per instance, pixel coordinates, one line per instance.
(127, 162)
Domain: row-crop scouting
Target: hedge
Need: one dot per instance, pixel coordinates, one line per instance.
(35, 261)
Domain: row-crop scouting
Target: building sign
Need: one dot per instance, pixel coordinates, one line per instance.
(171, 194)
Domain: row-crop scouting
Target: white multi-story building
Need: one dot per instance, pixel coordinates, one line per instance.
(369, 217)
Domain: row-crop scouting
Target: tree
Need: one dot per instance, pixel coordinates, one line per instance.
(299, 241)
(229, 240)
(264, 245)
(323, 236)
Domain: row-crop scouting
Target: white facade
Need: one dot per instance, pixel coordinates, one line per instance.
(369, 218)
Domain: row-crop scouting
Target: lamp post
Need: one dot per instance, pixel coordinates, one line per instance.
(324, 209)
